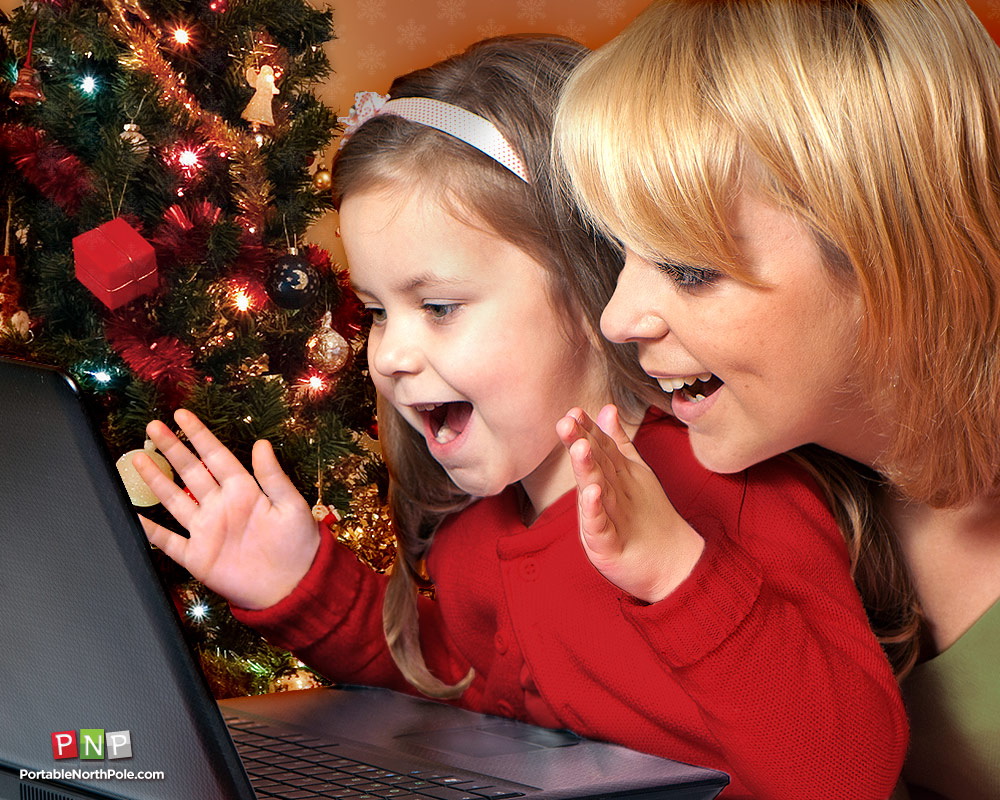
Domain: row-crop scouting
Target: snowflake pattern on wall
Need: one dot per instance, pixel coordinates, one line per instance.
(411, 34)
(451, 11)
(611, 10)
(371, 11)
(490, 28)
(530, 10)
(572, 29)
(371, 58)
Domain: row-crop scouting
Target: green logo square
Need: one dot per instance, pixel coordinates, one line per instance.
(92, 744)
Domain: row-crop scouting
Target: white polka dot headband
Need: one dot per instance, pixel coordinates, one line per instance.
(453, 120)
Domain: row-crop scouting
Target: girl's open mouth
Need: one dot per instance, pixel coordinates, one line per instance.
(446, 421)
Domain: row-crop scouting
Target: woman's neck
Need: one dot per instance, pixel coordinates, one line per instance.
(952, 555)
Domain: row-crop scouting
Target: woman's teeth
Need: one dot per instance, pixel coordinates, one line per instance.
(673, 384)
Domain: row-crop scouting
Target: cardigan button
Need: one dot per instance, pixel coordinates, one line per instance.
(529, 570)
(500, 643)
(505, 709)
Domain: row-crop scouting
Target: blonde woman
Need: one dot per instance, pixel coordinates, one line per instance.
(808, 194)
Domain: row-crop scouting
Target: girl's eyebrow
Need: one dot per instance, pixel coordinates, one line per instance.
(417, 282)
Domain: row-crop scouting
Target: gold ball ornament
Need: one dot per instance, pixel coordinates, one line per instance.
(17, 325)
(138, 492)
(295, 681)
(326, 349)
(322, 180)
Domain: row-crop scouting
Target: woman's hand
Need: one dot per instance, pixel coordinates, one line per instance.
(630, 531)
(252, 537)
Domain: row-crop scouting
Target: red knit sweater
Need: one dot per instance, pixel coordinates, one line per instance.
(760, 664)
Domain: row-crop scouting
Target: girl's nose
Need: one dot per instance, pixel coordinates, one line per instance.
(632, 314)
(392, 352)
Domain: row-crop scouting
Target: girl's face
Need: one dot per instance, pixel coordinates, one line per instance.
(466, 344)
(753, 371)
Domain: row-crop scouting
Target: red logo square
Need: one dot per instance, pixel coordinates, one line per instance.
(64, 744)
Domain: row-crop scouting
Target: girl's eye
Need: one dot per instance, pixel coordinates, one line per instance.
(687, 276)
(377, 314)
(440, 311)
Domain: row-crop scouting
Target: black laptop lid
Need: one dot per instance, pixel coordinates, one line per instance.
(85, 626)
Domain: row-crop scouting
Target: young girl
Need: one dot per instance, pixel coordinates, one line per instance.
(716, 638)
(811, 212)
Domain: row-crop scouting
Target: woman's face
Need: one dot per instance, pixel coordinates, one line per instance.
(753, 371)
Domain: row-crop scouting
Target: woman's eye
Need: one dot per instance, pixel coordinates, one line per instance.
(440, 310)
(377, 314)
(687, 276)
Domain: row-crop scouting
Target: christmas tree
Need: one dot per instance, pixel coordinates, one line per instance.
(158, 175)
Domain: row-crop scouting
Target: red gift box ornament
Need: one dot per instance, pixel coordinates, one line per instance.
(115, 263)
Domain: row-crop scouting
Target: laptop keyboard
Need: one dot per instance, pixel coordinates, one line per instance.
(294, 766)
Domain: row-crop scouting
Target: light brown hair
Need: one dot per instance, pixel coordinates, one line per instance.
(514, 83)
(875, 122)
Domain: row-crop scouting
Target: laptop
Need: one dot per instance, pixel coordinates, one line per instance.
(101, 698)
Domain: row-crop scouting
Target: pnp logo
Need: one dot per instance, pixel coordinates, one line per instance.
(92, 744)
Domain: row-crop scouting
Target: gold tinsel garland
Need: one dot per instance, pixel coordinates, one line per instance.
(365, 529)
(252, 191)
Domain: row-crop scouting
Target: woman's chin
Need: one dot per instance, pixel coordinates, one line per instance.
(725, 459)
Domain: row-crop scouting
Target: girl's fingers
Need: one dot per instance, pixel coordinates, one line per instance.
(174, 499)
(172, 544)
(185, 463)
(217, 458)
(271, 477)
(609, 421)
(596, 528)
(605, 450)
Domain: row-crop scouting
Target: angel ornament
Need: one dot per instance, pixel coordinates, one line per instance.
(258, 110)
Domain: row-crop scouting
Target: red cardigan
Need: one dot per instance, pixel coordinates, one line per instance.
(760, 664)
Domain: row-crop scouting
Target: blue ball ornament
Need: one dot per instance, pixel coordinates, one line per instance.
(293, 283)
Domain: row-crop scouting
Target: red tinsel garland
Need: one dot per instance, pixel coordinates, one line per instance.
(182, 236)
(163, 360)
(49, 167)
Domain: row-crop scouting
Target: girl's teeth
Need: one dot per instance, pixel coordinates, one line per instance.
(444, 434)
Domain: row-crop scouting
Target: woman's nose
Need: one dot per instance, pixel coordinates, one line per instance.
(392, 351)
(632, 314)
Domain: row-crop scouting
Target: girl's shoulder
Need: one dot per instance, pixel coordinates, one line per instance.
(776, 489)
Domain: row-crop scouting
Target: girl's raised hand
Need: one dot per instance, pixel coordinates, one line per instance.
(252, 537)
(631, 533)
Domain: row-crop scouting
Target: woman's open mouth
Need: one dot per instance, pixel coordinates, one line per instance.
(693, 388)
(445, 421)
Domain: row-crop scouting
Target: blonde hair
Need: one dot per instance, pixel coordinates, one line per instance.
(878, 124)
(514, 82)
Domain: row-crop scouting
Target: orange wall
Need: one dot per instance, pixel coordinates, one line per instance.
(380, 39)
